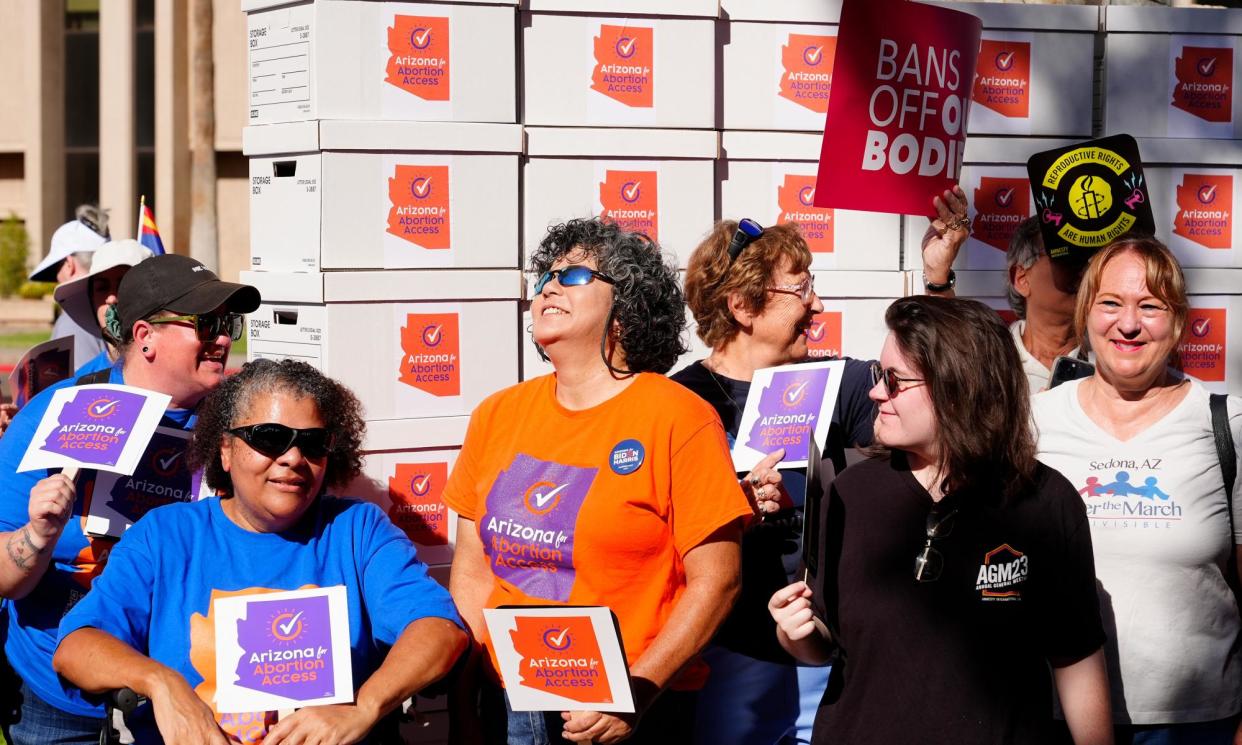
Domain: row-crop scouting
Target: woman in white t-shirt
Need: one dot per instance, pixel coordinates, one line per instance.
(1136, 440)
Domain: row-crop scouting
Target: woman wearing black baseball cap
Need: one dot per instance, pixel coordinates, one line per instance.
(176, 321)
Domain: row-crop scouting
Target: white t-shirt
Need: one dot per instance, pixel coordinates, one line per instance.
(1036, 374)
(1160, 533)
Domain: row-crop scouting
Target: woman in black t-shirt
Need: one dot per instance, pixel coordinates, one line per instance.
(956, 570)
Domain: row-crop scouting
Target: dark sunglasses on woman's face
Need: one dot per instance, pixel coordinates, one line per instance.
(209, 326)
(274, 440)
(892, 382)
(573, 275)
(930, 563)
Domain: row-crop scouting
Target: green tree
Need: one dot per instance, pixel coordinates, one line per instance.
(14, 246)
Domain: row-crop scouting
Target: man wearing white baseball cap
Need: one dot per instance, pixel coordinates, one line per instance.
(86, 299)
(69, 257)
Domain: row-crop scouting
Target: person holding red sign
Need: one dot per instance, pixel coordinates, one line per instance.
(753, 299)
(604, 483)
(1149, 451)
(956, 567)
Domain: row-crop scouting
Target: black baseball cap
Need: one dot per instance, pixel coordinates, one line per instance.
(181, 285)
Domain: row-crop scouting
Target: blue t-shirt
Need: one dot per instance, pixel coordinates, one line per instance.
(157, 592)
(94, 364)
(30, 626)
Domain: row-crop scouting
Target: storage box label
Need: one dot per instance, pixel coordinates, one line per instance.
(1000, 204)
(795, 199)
(418, 196)
(1003, 79)
(419, 59)
(1204, 82)
(823, 336)
(431, 343)
(417, 505)
(630, 198)
(807, 79)
(624, 65)
(1202, 354)
(1205, 210)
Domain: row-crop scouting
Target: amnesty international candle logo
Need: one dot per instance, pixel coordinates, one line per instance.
(1088, 195)
(807, 79)
(419, 58)
(788, 409)
(796, 199)
(1204, 85)
(624, 60)
(430, 343)
(161, 478)
(92, 427)
(823, 336)
(418, 198)
(418, 508)
(1205, 210)
(287, 648)
(630, 199)
(1202, 353)
(529, 523)
(561, 655)
(1003, 78)
(1000, 204)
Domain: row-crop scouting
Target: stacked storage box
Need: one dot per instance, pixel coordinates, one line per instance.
(1169, 79)
(384, 168)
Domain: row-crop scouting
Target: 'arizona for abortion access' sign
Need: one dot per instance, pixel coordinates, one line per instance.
(896, 129)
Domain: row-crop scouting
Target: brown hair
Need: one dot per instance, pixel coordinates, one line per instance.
(1165, 282)
(710, 278)
(966, 355)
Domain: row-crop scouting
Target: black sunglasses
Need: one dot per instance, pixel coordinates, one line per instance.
(573, 275)
(892, 382)
(274, 440)
(209, 326)
(930, 563)
(747, 232)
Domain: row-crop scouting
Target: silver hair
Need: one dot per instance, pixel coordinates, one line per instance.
(1025, 248)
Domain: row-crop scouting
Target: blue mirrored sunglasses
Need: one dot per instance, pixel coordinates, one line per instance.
(574, 275)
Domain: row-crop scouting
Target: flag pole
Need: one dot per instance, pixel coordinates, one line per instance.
(142, 202)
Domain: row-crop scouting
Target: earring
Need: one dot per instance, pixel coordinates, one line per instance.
(145, 349)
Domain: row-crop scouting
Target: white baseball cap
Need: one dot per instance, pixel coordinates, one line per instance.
(71, 238)
(74, 296)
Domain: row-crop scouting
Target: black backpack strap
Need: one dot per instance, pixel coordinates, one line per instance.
(1227, 454)
(93, 378)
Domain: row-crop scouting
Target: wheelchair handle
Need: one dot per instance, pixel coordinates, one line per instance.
(124, 699)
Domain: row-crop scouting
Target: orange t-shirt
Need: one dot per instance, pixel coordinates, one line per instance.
(596, 507)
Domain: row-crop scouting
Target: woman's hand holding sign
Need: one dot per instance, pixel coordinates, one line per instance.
(764, 488)
(338, 724)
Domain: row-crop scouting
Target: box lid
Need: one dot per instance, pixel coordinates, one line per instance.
(1172, 20)
(739, 145)
(292, 137)
(788, 11)
(859, 284)
(282, 287)
(443, 432)
(402, 136)
(1162, 150)
(1213, 280)
(696, 8)
(1061, 18)
(422, 284)
(622, 143)
(1010, 150)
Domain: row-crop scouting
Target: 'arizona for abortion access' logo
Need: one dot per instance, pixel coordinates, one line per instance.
(419, 60)
(1204, 86)
(807, 77)
(1205, 210)
(418, 212)
(796, 199)
(624, 65)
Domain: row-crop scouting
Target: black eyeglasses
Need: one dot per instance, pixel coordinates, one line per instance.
(209, 326)
(573, 275)
(892, 383)
(274, 440)
(930, 563)
(747, 232)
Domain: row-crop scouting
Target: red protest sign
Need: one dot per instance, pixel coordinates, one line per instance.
(901, 85)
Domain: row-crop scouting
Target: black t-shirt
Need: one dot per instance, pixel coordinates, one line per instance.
(770, 550)
(963, 659)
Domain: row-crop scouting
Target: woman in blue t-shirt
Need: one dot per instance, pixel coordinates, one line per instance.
(151, 620)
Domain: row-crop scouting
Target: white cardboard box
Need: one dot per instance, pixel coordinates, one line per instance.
(777, 75)
(659, 182)
(1172, 72)
(371, 195)
(1196, 195)
(998, 197)
(770, 178)
(790, 11)
(409, 486)
(411, 345)
(613, 71)
(690, 8)
(328, 59)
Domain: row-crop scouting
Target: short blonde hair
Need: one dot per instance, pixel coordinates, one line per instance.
(710, 278)
(1165, 282)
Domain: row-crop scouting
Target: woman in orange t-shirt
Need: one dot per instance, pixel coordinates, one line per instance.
(602, 484)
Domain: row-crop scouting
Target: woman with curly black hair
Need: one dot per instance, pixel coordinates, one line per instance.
(619, 480)
(269, 454)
